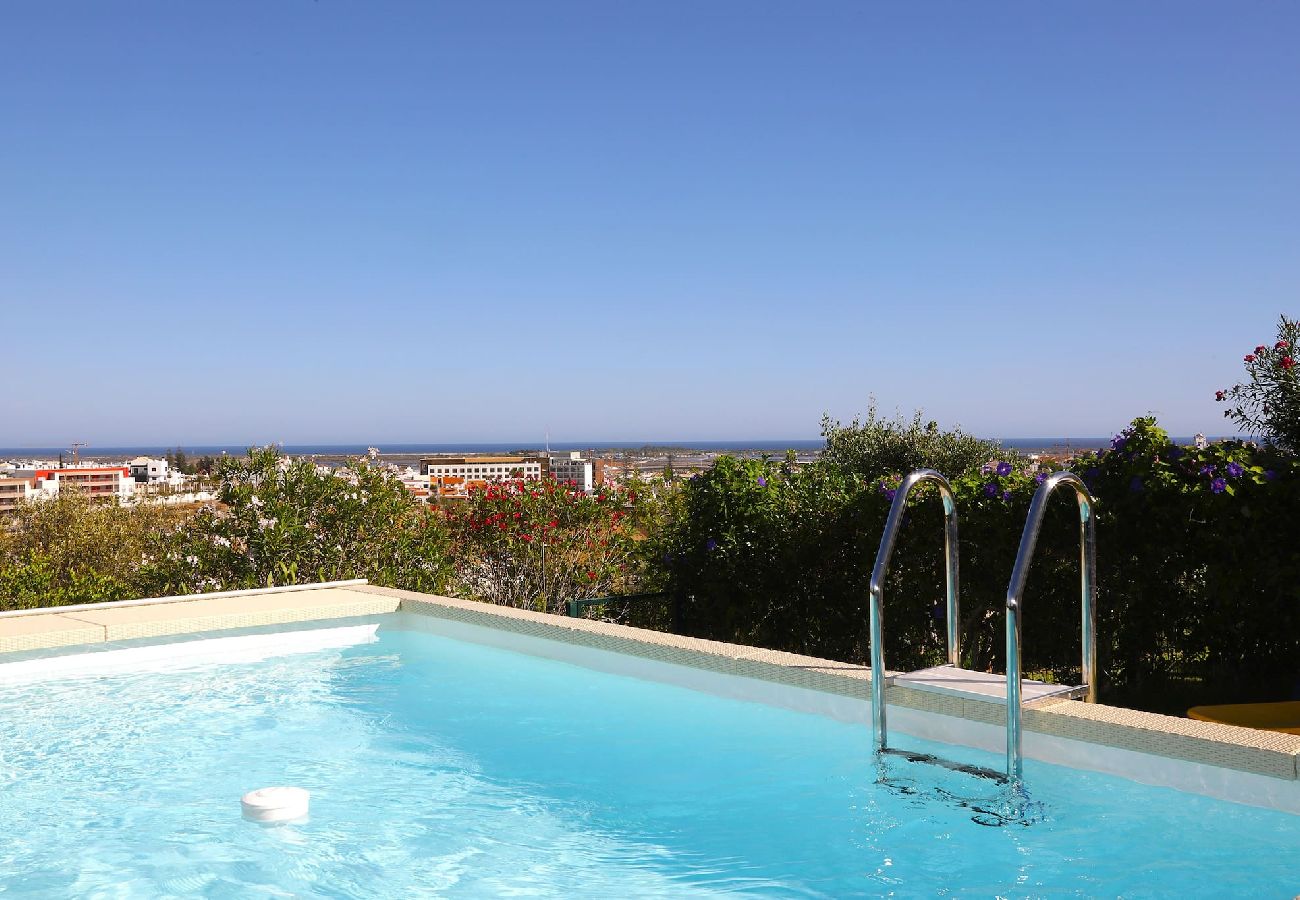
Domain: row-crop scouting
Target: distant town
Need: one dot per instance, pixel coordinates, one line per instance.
(178, 478)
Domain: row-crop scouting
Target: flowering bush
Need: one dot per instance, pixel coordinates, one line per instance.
(538, 544)
(282, 521)
(1268, 404)
(1198, 572)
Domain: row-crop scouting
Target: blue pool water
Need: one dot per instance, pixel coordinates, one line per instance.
(439, 767)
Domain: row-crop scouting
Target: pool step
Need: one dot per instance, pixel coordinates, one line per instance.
(986, 686)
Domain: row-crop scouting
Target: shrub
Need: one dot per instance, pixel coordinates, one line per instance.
(874, 445)
(72, 549)
(782, 557)
(1269, 403)
(1198, 573)
(282, 521)
(538, 544)
(1198, 562)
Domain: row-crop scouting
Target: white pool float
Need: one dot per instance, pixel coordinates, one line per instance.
(275, 804)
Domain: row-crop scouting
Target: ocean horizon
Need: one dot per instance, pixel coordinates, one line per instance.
(1025, 444)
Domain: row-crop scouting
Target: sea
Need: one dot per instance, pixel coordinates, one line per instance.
(807, 445)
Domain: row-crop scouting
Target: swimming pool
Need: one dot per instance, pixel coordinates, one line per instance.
(441, 765)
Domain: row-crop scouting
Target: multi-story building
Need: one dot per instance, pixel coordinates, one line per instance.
(455, 476)
(13, 490)
(572, 467)
(94, 481)
(146, 470)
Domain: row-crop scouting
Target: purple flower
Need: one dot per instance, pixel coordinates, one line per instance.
(986, 469)
(1040, 478)
(1006, 496)
(1207, 470)
(1234, 470)
(991, 489)
(1004, 469)
(1218, 485)
(1269, 474)
(762, 482)
(1118, 442)
(890, 494)
(710, 544)
(1135, 485)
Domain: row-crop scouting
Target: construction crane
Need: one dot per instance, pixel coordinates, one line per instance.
(76, 451)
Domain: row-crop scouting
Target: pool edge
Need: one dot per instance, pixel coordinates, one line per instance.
(1224, 761)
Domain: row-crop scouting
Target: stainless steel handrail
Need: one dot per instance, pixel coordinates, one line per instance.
(1015, 595)
(887, 541)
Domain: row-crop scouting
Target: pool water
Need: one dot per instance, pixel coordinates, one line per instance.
(441, 767)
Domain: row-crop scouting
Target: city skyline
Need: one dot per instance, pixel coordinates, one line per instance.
(311, 222)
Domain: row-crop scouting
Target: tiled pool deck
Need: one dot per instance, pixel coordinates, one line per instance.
(1260, 753)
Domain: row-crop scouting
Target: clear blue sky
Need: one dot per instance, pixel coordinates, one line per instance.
(342, 221)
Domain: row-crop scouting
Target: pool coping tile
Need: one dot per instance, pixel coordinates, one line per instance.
(1267, 753)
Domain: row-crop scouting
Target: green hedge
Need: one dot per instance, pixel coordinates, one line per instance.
(1198, 567)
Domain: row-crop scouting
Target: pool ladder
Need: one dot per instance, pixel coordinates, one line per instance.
(951, 678)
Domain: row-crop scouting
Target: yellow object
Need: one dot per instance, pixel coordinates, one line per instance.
(1284, 716)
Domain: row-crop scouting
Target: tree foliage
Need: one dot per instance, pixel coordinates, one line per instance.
(538, 543)
(73, 549)
(283, 521)
(875, 445)
(1197, 566)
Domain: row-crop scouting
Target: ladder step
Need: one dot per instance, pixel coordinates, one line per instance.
(986, 686)
(931, 759)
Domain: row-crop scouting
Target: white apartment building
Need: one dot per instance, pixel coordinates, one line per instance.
(482, 468)
(572, 467)
(146, 470)
(454, 476)
(94, 481)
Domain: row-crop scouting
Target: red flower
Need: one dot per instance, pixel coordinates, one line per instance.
(1287, 362)
(1249, 357)
(525, 537)
(553, 523)
(591, 576)
(1280, 345)
(1218, 395)
(1260, 349)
